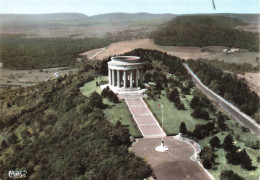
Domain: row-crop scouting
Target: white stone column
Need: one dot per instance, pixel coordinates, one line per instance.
(118, 78)
(131, 78)
(136, 77)
(141, 76)
(109, 76)
(125, 79)
(113, 77)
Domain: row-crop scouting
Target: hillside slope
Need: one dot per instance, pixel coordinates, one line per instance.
(77, 19)
(54, 132)
(203, 30)
(132, 18)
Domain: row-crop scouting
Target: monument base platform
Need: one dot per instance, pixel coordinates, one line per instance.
(124, 91)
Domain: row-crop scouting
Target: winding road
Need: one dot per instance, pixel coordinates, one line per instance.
(241, 117)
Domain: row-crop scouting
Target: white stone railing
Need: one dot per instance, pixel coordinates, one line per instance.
(197, 149)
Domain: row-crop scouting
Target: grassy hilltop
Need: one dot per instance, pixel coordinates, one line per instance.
(203, 30)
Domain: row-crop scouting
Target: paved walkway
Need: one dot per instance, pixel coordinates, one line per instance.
(174, 164)
(146, 122)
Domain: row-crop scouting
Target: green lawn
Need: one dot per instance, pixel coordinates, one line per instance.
(114, 111)
(221, 153)
(120, 112)
(89, 87)
(172, 116)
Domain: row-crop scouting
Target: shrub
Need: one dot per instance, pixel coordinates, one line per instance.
(230, 175)
(215, 142)
(95, 100)
(180, 106)
(183, 128)
(207, 164)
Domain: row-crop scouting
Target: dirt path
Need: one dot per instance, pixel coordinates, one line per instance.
(174, 164)
(92, 53)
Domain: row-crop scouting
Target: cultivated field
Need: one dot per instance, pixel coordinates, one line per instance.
(126, 46)
(185, 52)
(253, 80)
(249, 28)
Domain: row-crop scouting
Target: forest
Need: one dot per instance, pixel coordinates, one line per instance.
(38, 53)
(203, 30)
(54, 132)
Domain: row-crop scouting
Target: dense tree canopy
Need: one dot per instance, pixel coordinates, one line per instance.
(36, 53)
(202, 30)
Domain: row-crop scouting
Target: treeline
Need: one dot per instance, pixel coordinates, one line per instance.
(205, 30)
(209, 20)
(37, 53)
(232, 67)
(55, 132)
(228, 86)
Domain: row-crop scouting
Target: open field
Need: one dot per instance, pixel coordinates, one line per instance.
(80, 31)
(240, 58)
(185, 52)
(249, 28)
(115, 111)
(21, 78)
(253, 81)
(126, 46)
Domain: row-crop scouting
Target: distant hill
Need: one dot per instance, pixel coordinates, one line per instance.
(78, 19)
(81, 19)
(132, 18)
(206, 20)
(203, 30)
(42, 19)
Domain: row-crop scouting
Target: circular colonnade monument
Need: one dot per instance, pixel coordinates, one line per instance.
(125, 73)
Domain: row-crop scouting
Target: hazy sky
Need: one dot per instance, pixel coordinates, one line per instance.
(93, 7)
